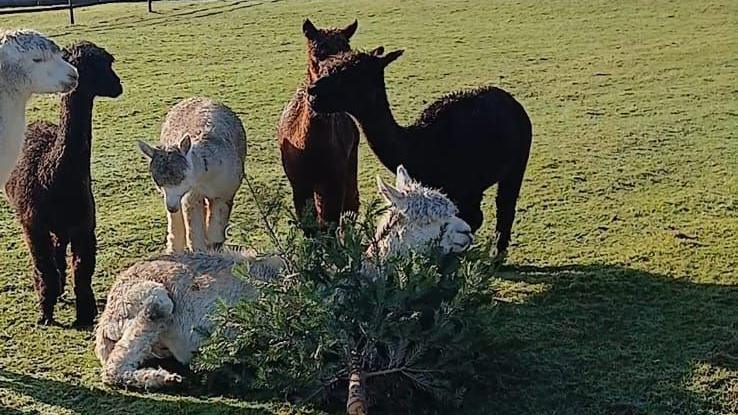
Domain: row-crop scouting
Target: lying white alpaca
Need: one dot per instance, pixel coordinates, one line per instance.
(161, 307)
(30, 63)
(198, 166)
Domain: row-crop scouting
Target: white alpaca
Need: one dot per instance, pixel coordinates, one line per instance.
(30, 63)
(198, 166)
(161, 307)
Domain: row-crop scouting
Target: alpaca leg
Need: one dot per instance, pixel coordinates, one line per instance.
(176, 239)
(45, 271)
(193, 209)
(84, 249)
(133, 348)
(470, 210)
(508, 191)
(328, 203)
(139, 338)
(60, 256)
(300, 198)
(351, 187)
(219, 212)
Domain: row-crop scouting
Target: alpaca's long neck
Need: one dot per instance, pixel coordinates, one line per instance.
(312, 69)
(389, 141)
(73, 146)
(12, 127)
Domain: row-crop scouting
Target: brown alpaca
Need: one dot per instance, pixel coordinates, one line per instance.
(319, 151)
(50, 188)
(462, 144)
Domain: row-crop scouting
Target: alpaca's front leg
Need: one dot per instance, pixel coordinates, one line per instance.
(219, 211)
(84, 249)
(176, 239)
(193, 209)
(142, 333)
(45, 273)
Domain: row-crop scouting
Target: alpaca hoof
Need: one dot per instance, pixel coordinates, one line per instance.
(498, 257)
(46, 321)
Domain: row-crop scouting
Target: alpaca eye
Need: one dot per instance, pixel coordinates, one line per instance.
(38, 60)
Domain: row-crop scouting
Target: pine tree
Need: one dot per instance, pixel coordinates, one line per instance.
(415, 339)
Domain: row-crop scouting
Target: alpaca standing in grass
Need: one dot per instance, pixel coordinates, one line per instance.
(30, 64)
(198, 166)
(161, 307)
(320, 151)
(51, 188)
(462, 144)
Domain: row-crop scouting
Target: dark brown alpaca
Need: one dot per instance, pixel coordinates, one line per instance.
(319, 151)
(50, 187)
(462, 144)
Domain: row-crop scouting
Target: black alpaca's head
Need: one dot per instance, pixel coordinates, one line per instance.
(324, 43)
(350, 79)
(95, 67)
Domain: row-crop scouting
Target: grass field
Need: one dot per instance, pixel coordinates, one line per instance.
(621, 294)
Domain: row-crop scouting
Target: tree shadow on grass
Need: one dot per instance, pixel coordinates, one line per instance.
(87, 400)
(613, 340)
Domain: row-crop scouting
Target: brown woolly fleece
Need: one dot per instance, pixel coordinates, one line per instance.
(50, 188)
(320, 151)
(462, 144)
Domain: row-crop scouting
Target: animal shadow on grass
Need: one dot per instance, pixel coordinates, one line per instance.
(88, 400)
(612, 340)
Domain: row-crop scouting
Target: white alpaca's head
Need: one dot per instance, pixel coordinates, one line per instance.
(33, 64)
(172, 170)
(419, 219)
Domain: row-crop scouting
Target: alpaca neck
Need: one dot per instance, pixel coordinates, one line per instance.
(312, 69)
(74, 143)
(12, 127)
(389, 141)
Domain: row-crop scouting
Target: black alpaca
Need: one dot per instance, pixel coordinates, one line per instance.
(50, 188)
(462, 144)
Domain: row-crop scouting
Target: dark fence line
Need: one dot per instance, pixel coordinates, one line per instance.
(32, 6)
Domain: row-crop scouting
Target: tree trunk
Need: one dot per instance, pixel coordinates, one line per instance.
(356, 403)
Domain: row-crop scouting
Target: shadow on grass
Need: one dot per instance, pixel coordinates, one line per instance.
(177, 15)
(609, 339)
(85, 400)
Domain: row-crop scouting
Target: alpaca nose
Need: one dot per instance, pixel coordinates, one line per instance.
(173, 209)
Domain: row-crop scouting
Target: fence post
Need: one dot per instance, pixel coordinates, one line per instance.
(150, 10)
(71, 13)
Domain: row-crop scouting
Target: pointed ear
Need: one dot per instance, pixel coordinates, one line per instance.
(403, 180)
(185, 144)
(378, 51)
(349, 30)
(393, 196)
(309, 29)
(146, 149)
(390, 57)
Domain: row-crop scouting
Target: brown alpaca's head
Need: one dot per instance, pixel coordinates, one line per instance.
(351, 79)
(324, 43)
(95, 67)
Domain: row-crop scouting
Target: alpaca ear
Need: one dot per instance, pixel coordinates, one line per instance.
(393, 196)
(390, 57)
(185, 144)
(309, 29)
(403, 181)
(378, 51)
(146, 149)
(349, 30)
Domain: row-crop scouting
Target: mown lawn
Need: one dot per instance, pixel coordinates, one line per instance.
(621, 293)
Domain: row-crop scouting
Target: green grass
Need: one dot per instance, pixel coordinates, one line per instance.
(621, 296)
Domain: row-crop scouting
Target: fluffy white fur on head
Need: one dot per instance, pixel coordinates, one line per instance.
(418, 218)
(31, 63)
